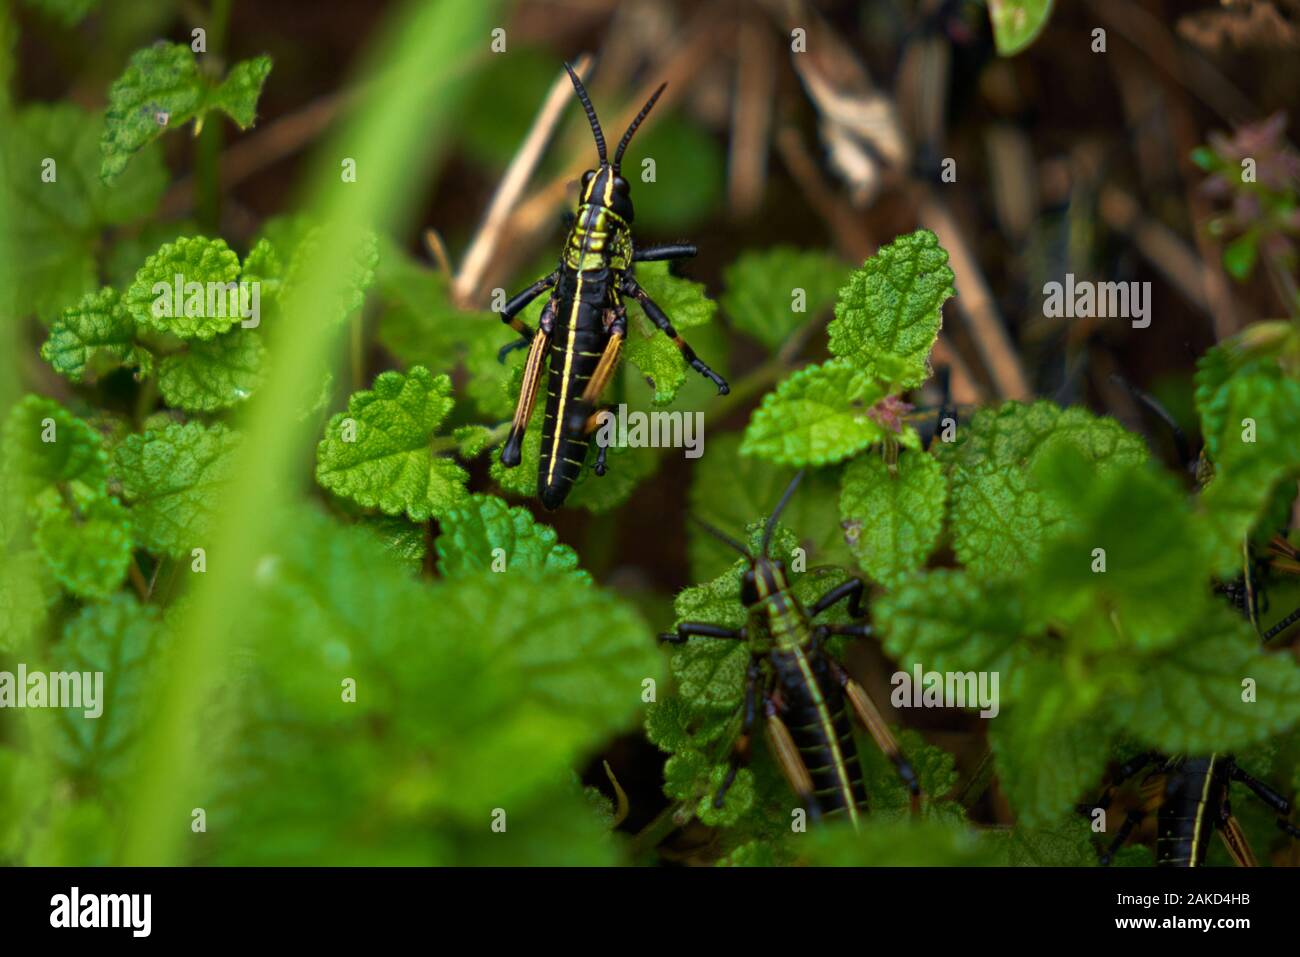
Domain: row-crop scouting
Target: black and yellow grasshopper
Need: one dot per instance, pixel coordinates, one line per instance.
(584, 323)
(804, 693)
(1190, 797)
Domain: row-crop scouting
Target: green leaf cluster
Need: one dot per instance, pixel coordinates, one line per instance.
(887, 318)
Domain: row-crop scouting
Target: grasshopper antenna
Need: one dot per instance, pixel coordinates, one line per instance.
(780, 507)
(591, 114)
(627, 137)
(1181, 445)
(721, 536)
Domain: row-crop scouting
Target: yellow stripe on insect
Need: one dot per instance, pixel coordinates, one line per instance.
(1200, 811)
(823, 718)
(564, 380)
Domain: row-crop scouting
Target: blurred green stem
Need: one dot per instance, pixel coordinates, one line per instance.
(207, 155)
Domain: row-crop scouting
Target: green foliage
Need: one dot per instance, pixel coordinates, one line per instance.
(47, 445)
(486, 531)
(379, 455)
(474, 694)
(187, 260)
(213, 375)
(761, 288)
(887, 318)
(1107, 627)
(94, 337)
(1250, 419)
(892, 517)
(888, 314)
(122, 640)
(999, 515)
(164, 88)
(373, 681)
(728, 490)
(173, 478)
(87, 547)
(64, 216)
(896, 844)
(649, 350)
(819, 415)
(1017, 23)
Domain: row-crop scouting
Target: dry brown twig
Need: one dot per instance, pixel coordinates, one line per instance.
(751, 120)
(483, 248)
(975, 299)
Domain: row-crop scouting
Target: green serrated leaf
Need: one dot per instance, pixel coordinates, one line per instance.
(1257, 412)
(888, 314)
(947, 621)
(936, 772)
(1049, 749)
(163, 88)
(94, 337)
(1016, 434)
(1194, 697)
(45, 445)
(761, 290)
(1118, 568)
(173, 478)
(998, 515)
(87, 546)
(199, 313)
(378, 453)
(892, 521)
(486, 534)
(998, 520)
(816, 416)
(118, 638)
(472, 440)
(1064, 843)
(213, 375)
(238, 93)
(478, 692)
(402, 539)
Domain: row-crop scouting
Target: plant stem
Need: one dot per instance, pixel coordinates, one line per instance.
(208, 149)
(145, 399)
(974, 788)
(137, 580)
(664, 823)
(356, 352)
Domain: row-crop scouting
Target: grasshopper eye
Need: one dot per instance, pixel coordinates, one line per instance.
(748, 589)
(621, 185)
(586, 178)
